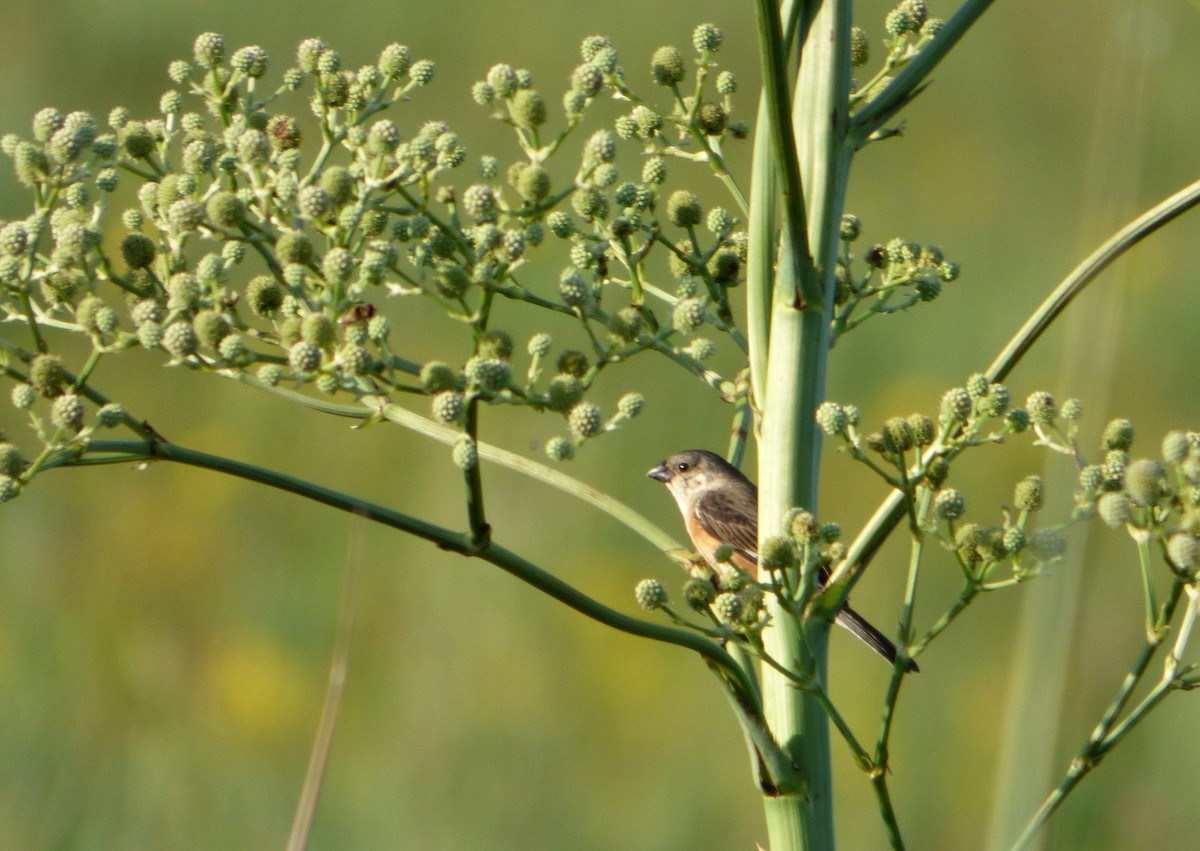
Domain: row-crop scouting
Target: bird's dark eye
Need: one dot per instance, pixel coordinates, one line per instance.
(682, 466)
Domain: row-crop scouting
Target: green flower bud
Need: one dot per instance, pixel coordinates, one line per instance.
(917, 9)
(47, 375)
(727, 607)
(950, 504)
(587, 79)
(496, 344)
(232, 349)
(584, 420)
(1029, 493)
(487, 372)
(778, 553)
(447, 406)
(1091, 478)
(1017, 420)
(179, 339)
(1113, 508)
(667, 66)
(10, 488)
(46, 123)
(1175, 446)
(560, 449)
(564, 392)
(956, 405)
(270, 374)
(1115, 463)
(528, 109)
(937, 471)
(533, 185)
(437, 376)
(11, 462)
(264, 296)
(327, 383)
(924, 430)
(899, 22)
(209, 50)
(832, 419)
(378, 328)
(898, 435)
(573, 362)
(293, 247)
(421, 72)
(860, 47)
(304, 356)
(711, 119)
(1118, 434)
(318, 328)
(67, 412)
(590, 204)
(699, 594)
(465, 454)
(1182, 550)
(601, 147)
(138, 250)
(452, 280)
(210, 327)
(1145, 481)
(479, 202)
(688, 314)
(1072, 409)
(225, 210)
(650, 594)
(283, 133)
(683, 209)
(395, 60)
(23, 396)
(150, 334)
(1042, 408)
(630, 405)
(539, 345)
(626, 324)
(573, 288)
(1013, 540)
(706, 38)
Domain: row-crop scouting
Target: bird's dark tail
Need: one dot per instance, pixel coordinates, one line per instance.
(879, 642)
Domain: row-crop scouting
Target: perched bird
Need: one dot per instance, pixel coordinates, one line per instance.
(720, 506)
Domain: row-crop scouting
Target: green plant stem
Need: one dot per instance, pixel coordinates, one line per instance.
(100, 452)
(810, 166)
(476, 518)
(1109, 732)
(444, 434)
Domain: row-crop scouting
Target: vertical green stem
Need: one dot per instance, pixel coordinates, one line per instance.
(811, 159)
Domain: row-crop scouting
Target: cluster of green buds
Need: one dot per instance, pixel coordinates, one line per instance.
(981, 549)
(1153, 499)
(229, 235)
(909, 27)
(619, 225)
(913, 454)
(885, 279)
(731, 601)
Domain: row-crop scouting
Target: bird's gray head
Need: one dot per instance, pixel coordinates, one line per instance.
(692, 469)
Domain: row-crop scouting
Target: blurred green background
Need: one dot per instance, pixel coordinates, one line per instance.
(165, 633)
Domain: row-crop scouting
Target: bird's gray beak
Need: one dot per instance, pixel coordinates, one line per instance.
(661, 473)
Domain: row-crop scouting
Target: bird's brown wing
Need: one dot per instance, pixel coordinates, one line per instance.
(731, 521)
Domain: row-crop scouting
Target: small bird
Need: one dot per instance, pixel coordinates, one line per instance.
(720, 506)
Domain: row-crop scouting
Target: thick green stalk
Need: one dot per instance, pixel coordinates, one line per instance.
(812, 177)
